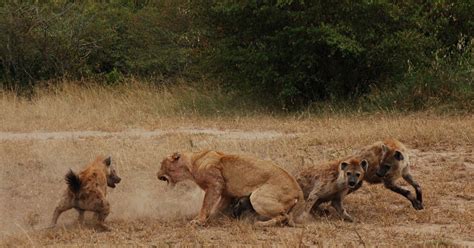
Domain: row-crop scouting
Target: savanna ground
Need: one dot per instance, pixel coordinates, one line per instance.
(41, 138)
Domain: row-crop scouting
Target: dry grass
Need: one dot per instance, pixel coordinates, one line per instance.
(87, 105)
(145, 212)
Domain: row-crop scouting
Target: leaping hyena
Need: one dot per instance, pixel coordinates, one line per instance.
(388, 161)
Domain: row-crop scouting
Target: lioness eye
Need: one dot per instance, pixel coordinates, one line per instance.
(358, 174)
(348, 173)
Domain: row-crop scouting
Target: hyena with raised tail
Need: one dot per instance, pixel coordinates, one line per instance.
(87, 191)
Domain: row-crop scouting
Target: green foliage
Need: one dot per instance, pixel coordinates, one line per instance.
(442, 86)
(42, 40)
(286, 54)
(297, 52)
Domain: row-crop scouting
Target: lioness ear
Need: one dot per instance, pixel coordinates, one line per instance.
(398, 156)
(364, 164)
(176, 156)
(108, 161)
(343, 165)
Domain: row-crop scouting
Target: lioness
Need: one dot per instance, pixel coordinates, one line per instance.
(87, 191)
(331, 182)
(273, 193)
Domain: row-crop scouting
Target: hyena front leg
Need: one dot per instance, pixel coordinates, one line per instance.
(395, 188)
(409, 179)
(337, 204)
(312, 198)
(310, 202)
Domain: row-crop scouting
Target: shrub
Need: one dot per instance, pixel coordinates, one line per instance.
(43, 40)
(297, 52)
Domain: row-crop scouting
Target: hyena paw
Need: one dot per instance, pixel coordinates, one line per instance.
(103, 228)
(51, 226)
(349, 219)
(418, 205)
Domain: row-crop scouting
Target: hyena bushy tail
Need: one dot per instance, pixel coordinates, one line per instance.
(73, 181)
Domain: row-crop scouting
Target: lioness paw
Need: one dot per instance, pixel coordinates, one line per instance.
(197, 222)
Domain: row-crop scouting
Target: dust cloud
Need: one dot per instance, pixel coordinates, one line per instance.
(30, 190)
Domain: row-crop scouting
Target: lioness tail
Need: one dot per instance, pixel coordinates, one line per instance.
(73, 181)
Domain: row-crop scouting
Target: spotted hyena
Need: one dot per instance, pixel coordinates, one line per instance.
(87, 191)
(331, 182)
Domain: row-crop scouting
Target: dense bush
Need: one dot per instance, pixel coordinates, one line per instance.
(297, 52)
(42, 40)
(284, 53)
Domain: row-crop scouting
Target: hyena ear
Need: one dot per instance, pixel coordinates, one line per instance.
(176, 156)
(384, 148)
(343, 165)
(398, 156)
(108, 161)
(364, 164)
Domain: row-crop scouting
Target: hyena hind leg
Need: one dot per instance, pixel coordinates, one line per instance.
(101, 212)
(64, 205)
(80, 219)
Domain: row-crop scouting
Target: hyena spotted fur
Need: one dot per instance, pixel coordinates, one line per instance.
(331, 182)
(87, 191)
(388, 161)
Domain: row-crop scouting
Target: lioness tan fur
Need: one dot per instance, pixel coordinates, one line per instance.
(273, 192)
(388, 161)
(331, 182)
(88, 190)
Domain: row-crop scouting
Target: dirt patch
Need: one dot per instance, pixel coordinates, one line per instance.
(145, 212)
(227, 134)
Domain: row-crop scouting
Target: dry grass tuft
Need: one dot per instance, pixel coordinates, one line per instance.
(79, 105)
(145, 212)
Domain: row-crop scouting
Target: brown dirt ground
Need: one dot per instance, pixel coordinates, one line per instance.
(145, 212)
